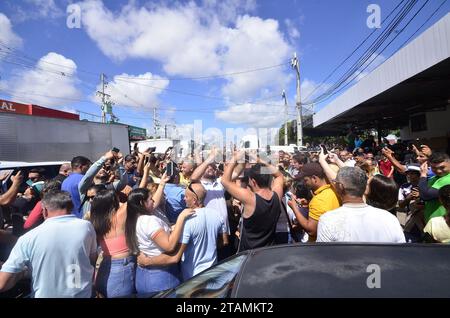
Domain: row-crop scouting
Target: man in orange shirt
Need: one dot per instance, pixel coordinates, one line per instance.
(324, 200)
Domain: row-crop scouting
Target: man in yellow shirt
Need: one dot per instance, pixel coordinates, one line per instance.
(187, 168)
(324, 200)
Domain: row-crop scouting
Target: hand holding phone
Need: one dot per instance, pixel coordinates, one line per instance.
(324, 149)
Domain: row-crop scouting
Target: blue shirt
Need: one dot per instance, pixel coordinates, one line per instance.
(70, 185)
(174, 201)
(57, 252)
(132, 177)
(200, 235)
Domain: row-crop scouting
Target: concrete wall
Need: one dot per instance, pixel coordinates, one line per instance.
(437, 133)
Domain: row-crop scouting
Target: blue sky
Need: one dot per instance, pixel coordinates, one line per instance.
(151, 50)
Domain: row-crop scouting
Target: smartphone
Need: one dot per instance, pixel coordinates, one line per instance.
(152, 149)
(115, 150)
(325, 151)
(146, 160)
(170, 170)
(289, 195)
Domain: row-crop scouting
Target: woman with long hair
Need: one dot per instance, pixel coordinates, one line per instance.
(382, 192)
(151, 235)
(115, 277)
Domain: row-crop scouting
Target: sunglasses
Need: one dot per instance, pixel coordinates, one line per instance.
(192, 190)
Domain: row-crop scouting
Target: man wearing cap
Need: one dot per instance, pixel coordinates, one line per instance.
(324, 200)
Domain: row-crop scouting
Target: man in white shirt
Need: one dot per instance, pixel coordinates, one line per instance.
(347, 158)
(356, 221)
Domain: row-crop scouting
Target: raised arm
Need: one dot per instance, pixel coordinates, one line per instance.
(243, 195)
(426, 193)
(200, 170)
(331, 175)
(389, 154)
(278, 179)
(144, 179)
(159, 194)
(88, 178)
(10, 195)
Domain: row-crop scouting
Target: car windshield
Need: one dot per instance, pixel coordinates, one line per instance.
(216, 282)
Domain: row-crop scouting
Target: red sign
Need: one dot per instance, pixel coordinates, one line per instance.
(34, 110)
(16, 108)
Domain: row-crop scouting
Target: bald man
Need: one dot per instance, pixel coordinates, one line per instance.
(64, 172)
(202, 234)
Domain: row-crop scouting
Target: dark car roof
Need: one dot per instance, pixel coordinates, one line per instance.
(342, 270)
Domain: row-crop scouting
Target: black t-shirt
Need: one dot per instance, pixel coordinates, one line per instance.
(259, 229)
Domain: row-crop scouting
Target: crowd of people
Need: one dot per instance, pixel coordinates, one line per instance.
(144, 222)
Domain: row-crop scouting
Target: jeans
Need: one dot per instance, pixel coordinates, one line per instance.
(156, 279)
(115, 277)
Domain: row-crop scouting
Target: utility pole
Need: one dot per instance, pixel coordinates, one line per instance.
(103, 95)
(296, 66)
(285, 118)
(155, 122)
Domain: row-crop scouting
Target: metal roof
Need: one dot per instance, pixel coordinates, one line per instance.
(417, 75)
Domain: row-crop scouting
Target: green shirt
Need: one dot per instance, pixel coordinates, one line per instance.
(434, 208)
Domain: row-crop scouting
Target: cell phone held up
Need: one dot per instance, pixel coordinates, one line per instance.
(324, 149)
(170, 169)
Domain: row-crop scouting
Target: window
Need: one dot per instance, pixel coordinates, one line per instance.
(419, 123)
(216, 282)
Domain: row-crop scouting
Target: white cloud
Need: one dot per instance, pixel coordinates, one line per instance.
(310, 89)
(293, 32)
(37, 9)
(7, 35)
(194, 40)
(251, 115)
(134, 90)
(46, 8)
(45, 84)
(228, 10)
(255, 42)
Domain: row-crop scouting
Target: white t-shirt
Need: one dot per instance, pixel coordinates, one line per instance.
(359, 223)
(350, 163)
(215, 200)
(147, 227)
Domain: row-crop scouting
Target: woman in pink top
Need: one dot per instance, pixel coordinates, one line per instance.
(115, 277)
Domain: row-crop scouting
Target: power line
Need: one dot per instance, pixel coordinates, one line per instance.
(426, 21)
(351, 54)
(362, 70)
(150, 86)
(22, 94)
(369, 53)
(209, 76)
(19, 53)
